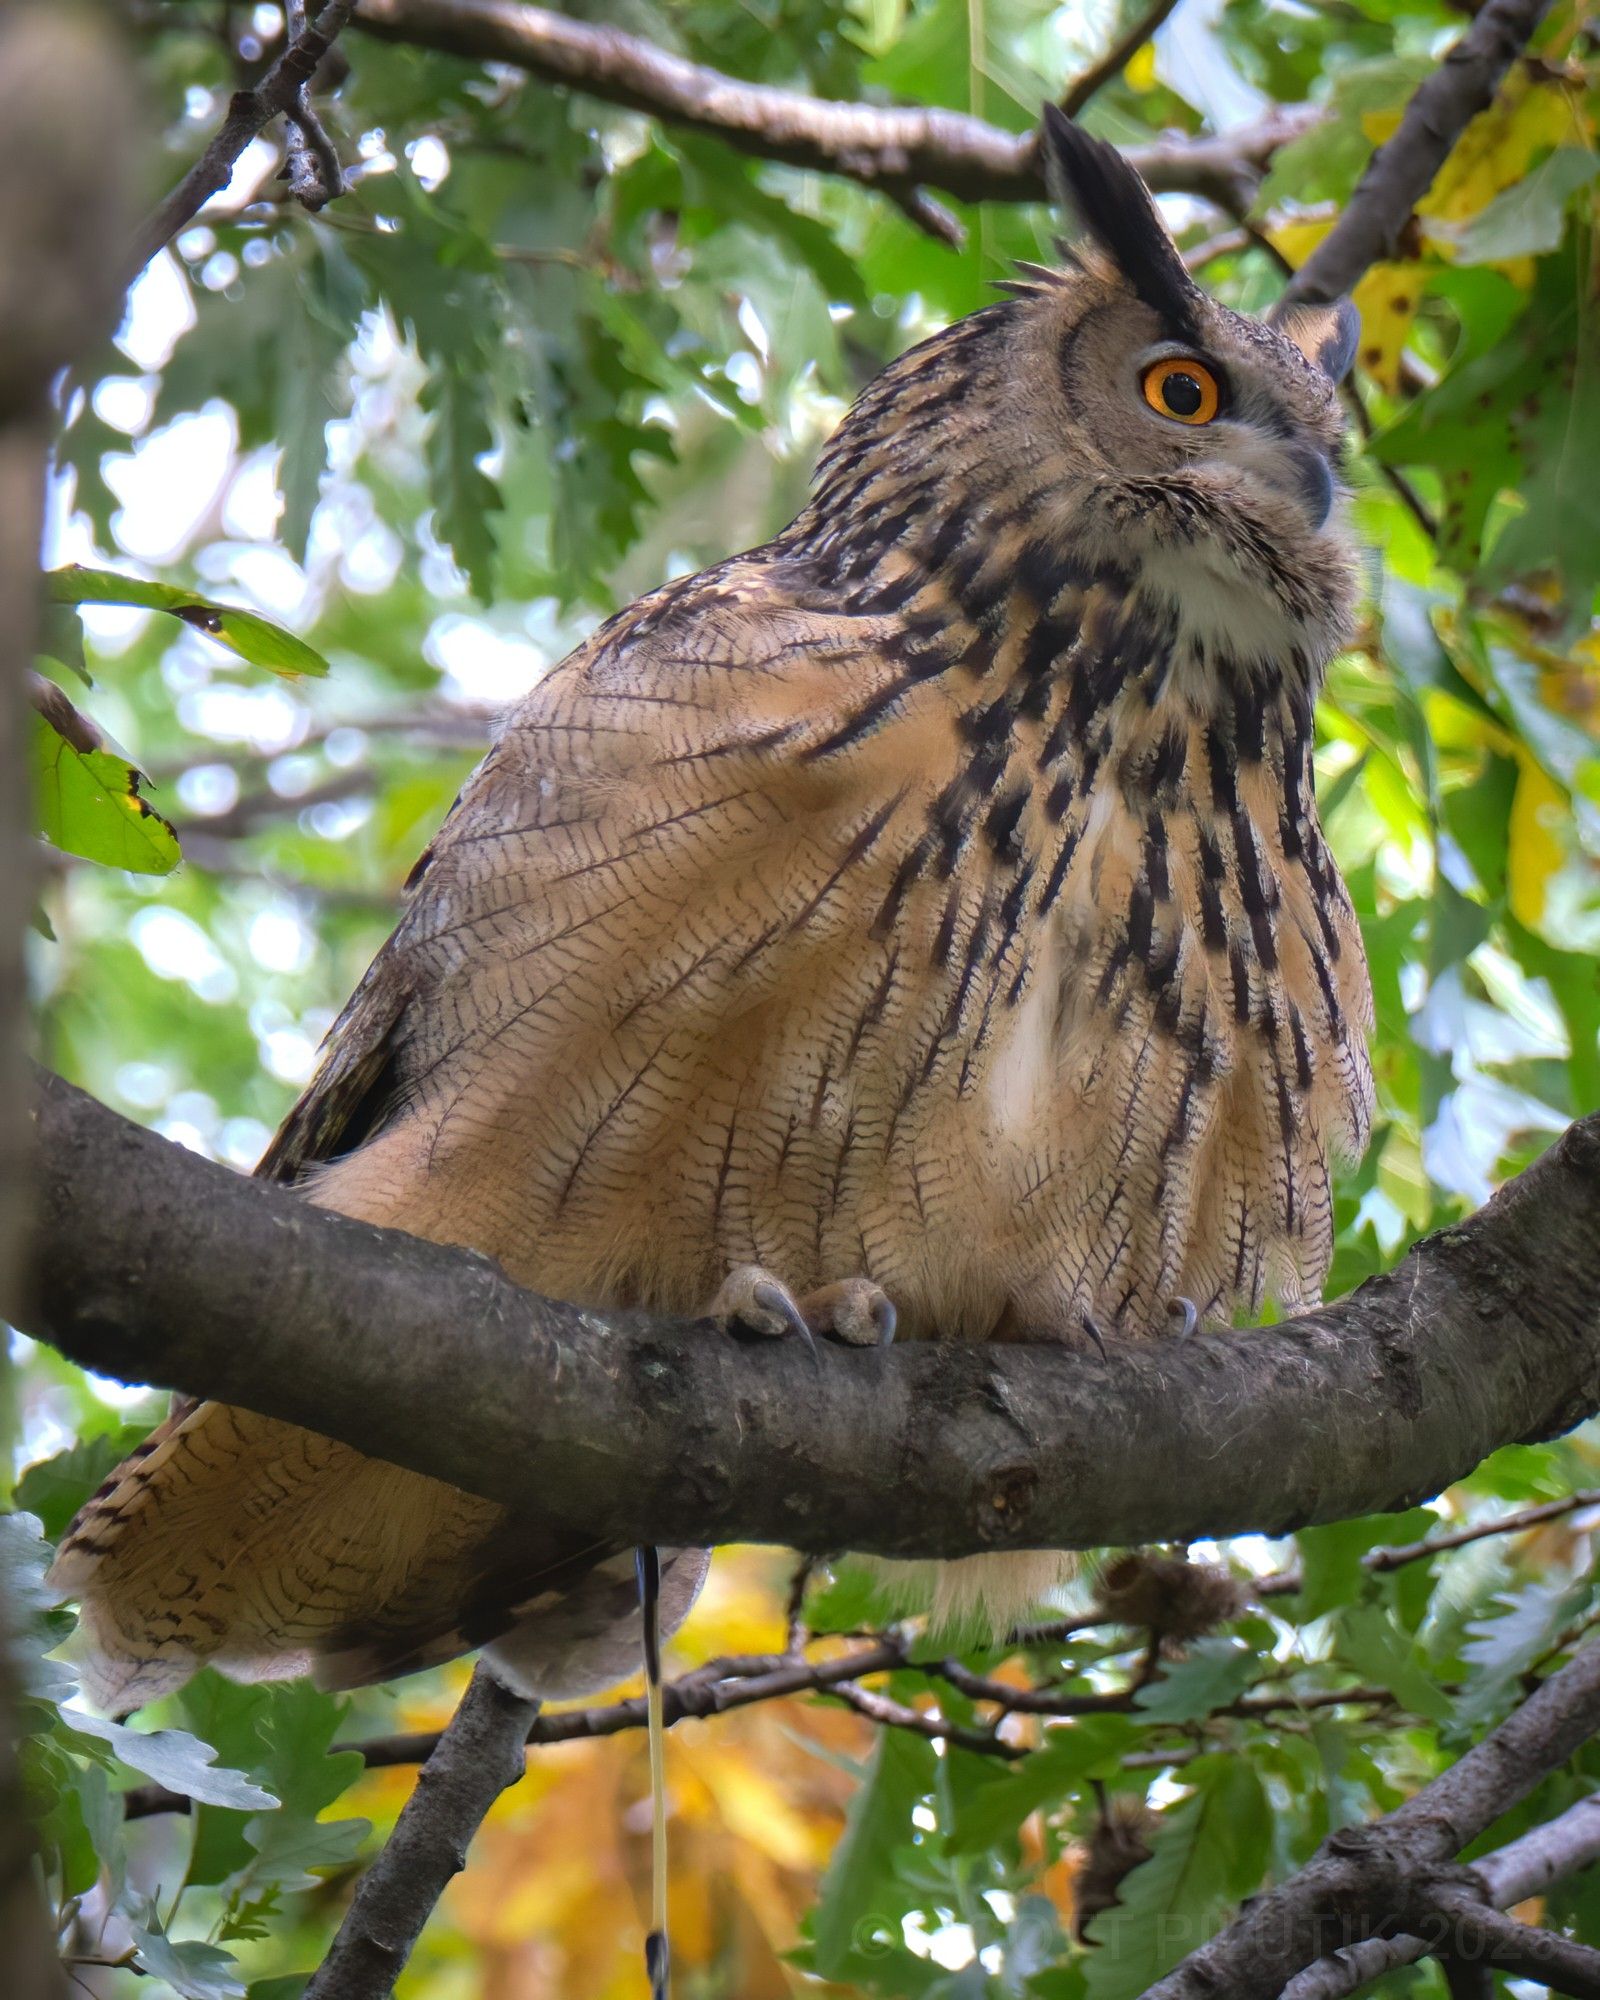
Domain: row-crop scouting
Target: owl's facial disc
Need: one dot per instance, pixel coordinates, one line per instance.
(1257, 414)
(1196, 391)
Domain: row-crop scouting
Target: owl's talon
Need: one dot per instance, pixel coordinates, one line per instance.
(853, 1310)
(1191, 1316)
(752, 1301)
(1091, 1328)
(775, 1300)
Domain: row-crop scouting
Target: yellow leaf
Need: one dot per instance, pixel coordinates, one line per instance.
(1500, 145)
(1299, 238)
(1538, 808)
(1386, 299)
(1140, 71)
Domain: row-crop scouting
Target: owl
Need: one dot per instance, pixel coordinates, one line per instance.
(922, 919)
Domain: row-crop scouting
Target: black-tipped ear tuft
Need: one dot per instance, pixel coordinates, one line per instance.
(1092, 181)
(1327, 336)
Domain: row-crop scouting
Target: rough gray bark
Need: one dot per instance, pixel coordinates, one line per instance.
(1523, 1868)
(156, 1266)
(1400, 173)
(476, 1758)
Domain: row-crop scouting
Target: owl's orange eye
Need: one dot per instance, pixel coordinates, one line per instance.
(1183, 389)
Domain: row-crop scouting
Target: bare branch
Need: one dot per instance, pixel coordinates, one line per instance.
(311, 163)
(1481, 1938)
(1380, 1561)
(1512, 1874)
(1400, 173)
(475, 1759)
(280, 91)
(154, 1265)
(897, 149)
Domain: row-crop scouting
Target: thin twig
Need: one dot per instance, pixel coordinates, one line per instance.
(311, 160)
(1116, 58)
(794, 1608)
(1380, 1561)
(891, 1714)
(249, 112)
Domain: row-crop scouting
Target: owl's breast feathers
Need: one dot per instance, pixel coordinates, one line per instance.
(929, 902)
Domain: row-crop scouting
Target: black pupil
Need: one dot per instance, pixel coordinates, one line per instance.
(1182, 394)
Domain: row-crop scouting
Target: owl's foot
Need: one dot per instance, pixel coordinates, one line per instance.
(853, 1310)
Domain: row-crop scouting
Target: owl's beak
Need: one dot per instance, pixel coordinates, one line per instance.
(1313, 482)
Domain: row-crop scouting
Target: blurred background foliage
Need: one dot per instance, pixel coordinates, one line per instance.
(545, 354)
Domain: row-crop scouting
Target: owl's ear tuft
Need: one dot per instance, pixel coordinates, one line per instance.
(1092, 181)
(1327, 335)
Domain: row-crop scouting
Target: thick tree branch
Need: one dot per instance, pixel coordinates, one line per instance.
(153, 1265)
(1400, 173)
(476, 1758)
(1478, 1937)
(1365, 1878)
(283, 91)
(899, 149)
(1523, 1868)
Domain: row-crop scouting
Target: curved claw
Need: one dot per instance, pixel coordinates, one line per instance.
(1191, 1316)
(885, 1318)
(1091, 1328)
(774, 1298)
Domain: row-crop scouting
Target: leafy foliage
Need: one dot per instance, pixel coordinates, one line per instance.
(545, 354)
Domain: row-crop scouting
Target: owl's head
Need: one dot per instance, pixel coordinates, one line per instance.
(1112, 412)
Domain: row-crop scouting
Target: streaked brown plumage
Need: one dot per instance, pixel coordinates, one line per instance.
(934, 893)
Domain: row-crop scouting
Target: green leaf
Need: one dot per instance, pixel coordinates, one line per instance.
(1090, 1748)
(32, 1606)
(295, 1727)
(80, 1829)
(850, 1897)
(1374, 1645)
(175, 1759)
(1330, 1557)
(193, 1970)
(1529, 218)
(253, 638)
(55, 1488)
(88, 802)
(1503, 1647)
(61, 639)
(1214, 1672)
(1208, 1852)
(290, 1848)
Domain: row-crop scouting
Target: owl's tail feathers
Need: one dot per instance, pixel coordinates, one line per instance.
(236, 1540)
